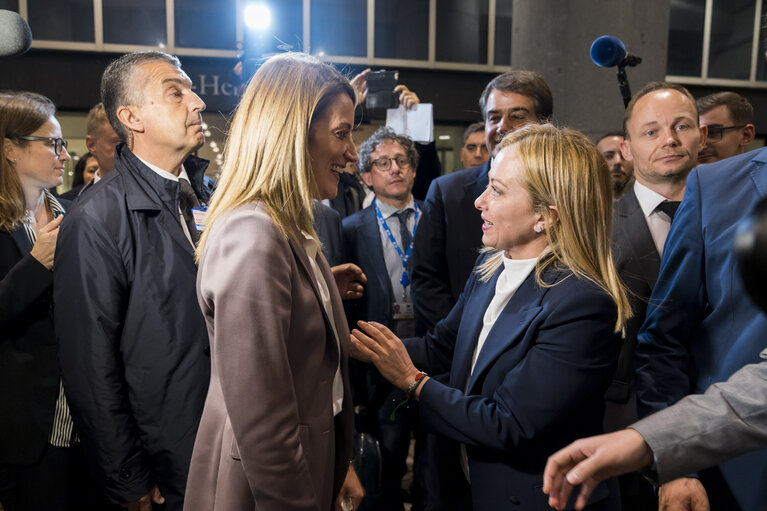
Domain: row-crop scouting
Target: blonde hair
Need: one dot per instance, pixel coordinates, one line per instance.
(97, 116)
(21, 114)
(266, 155)
(564, 169)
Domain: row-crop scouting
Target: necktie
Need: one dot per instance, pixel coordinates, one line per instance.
(404, 233)
(669, 207)
(187, 200)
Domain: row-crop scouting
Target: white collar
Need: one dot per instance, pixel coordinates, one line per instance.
(648, 199)
(388, 210)
(165, 173)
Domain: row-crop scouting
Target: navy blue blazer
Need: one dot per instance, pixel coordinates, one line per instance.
(701, 325)
(447, 243)
(538, 383)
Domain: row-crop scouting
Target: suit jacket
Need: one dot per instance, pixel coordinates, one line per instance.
(268, 439)
(327, 224)
(701, 326)
(29, 369)
(537, 384)
(637, 261)
(132, 339)
(447, 243)
(703, 430)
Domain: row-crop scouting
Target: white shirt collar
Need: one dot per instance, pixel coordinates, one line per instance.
(165, 173)
(388, 210)
(648, 199)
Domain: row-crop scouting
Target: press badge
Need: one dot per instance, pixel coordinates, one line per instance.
(200, 215)
(403, 310)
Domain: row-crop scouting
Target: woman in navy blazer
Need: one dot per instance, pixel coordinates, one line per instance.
(531, 345)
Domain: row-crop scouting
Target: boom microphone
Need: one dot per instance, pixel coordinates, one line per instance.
(15, 36)
(609, 51)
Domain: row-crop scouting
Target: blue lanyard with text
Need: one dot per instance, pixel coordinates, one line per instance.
(405, 281)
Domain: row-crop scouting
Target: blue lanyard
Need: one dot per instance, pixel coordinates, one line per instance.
(405, 280)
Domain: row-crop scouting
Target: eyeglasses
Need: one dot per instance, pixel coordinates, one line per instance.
(716, 132)
(384, 164)
(58, 143)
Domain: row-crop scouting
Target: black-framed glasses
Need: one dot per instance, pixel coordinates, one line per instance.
(58, 143)
(384, 164)
(716, 132)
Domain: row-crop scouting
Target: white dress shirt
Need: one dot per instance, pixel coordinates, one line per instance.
(658, 222)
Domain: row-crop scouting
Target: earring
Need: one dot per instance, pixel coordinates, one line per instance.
(538, 229)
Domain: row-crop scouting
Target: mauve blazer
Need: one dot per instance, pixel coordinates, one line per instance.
(268, 439)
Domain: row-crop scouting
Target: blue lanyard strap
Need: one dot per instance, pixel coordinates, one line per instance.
(405, 281)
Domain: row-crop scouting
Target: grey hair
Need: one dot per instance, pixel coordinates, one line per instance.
(381, 135)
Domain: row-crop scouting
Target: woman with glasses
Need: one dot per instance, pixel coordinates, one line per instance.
(531, 344)
(41, 466)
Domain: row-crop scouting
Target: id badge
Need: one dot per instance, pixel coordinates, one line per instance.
(403, 310)
(200, 216)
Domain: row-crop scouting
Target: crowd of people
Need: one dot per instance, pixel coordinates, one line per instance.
(277, 340)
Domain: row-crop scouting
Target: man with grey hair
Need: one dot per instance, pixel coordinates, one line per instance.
(135, 362)
(450, 236)
(379, 239)
(474, 150)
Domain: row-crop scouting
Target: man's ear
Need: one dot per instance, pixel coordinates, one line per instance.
(626, 150)
(367, 179)
(747, 134)
(130, 117)
(90, 143)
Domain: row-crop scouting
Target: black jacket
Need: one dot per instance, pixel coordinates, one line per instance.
(132, 340)
(29, 370)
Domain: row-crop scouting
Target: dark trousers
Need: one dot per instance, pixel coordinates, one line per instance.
(59, 480)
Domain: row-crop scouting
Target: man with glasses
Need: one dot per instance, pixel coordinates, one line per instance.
(379, 239)
(729, 117)
(450, 236)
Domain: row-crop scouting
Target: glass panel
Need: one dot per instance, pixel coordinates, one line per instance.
(9, 5)
(402, 29)
(205, 24)
(462, 31)
(288, 25)
(134, 22)
(503, 32)
(685, 37)
(54, 20)
(761, 59)
(732, 32)
(339, 27)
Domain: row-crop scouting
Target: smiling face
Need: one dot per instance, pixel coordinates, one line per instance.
(331, 146)
(391, 186)
(504, 113)
(663, 137)
(168, 121)
(509, 220)
(37, 164)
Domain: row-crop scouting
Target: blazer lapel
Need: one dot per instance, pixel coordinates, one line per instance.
(636, 237)
(510, 326)
(372, 251)
(471, 326)
(758, 174)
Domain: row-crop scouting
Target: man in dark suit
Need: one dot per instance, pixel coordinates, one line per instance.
(448, 240)
(662, 140)
(135, 361)
(380, 240)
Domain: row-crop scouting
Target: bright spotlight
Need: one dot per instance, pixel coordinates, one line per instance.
(258, 17)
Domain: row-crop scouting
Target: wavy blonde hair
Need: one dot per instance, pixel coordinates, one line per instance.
(564, 169)
(266, 154)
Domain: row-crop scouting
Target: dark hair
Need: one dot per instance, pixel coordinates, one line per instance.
(740, 108)
(80, 169)
(472, 129)
(652, 87)
(615, 133)
(381, 135)
(21, 114)
(118, 87)
(527, 83)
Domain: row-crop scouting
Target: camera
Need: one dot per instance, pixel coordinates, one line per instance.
(381, 89)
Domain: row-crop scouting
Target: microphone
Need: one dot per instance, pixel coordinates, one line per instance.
(15, 35)
(609, 51)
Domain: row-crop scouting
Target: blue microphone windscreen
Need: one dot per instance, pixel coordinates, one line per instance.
(607, 51)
